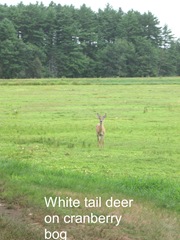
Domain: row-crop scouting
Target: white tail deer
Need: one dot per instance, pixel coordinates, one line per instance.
(100, 130)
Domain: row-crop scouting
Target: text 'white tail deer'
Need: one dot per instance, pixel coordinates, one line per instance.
(100, 130)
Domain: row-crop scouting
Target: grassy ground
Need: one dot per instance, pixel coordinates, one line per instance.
(48, 148)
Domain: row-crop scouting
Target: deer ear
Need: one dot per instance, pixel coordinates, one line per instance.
(104, 116)
(98, 115)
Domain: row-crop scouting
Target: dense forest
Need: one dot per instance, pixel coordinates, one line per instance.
(63, 41)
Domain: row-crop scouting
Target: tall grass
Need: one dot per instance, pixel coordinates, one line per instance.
(53, 128)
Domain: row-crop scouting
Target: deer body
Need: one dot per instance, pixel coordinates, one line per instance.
(100, 130)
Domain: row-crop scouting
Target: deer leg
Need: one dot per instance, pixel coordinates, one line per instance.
(102, 141)
(98, 140)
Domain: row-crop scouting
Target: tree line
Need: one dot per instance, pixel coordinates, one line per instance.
(63, 41)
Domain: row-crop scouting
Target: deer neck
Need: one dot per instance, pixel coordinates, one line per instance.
(101, 126)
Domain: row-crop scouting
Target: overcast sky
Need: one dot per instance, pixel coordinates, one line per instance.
(167, 11)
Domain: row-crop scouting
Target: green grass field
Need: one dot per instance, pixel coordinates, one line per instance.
(48, 147)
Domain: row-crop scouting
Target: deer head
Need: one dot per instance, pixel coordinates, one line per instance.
(101, 118)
